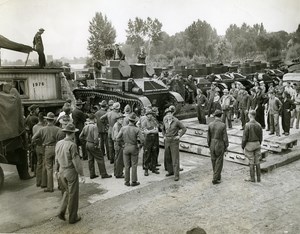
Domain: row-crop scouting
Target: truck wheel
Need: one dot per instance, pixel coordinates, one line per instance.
(1, 178)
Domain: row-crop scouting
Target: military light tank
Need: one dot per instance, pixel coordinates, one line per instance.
(130, 84)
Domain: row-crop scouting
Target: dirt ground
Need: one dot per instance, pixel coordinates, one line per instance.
(161, 205)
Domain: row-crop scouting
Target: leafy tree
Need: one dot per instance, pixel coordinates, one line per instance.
(102, 34)
(202, 38)
(144, 33)
(223, 51)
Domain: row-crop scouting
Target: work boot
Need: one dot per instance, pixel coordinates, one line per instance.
(258, 172)
(146, 172)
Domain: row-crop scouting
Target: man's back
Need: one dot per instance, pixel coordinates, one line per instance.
(217, 131)
(101, 124)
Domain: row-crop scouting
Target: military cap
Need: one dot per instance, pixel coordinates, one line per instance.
(50, 116)
(65, 119)
(132, 117)
(225, 91)
(168, 111)
(70, 128)
(41, 30)
(218, 113)
(116, 106)
(111, 102)
(79, 102)
(33, 107)
(127, 109)
(149, 112)
(103, 103)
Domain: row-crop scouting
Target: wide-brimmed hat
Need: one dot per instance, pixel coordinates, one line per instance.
(218, 113)
(79, 102)
(33, 107)
(116, 106)
(103, 103)
(225, 91)
(50, 116)
(127, 109)
(120, 116)
(65, 119)
(132, 117)
(111, 102)
(70, 128)
(167, 111)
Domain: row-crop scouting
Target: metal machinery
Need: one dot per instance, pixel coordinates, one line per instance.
(130, 84)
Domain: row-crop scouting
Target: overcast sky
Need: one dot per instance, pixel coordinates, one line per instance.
(66, 21)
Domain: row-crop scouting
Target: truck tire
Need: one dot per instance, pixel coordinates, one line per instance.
(1, 178)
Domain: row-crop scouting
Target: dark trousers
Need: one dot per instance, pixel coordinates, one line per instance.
(95, 154)
(244, 117)
(217, 151)
(210, 107)
(172, 156)
(201, 114)
(130, 157)
(104, 143)
(82, 144)
(42, 58)
(286, 121)
(41, 173)
(227, 116)
(150, 152)
(156, 139)
(70, 200)
(111, 150)
(119, 163)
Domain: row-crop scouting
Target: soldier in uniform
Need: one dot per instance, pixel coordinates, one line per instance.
(102, 127)
(41, 173)
(79, 119)
(111, 117)
(227, 101)
(149, 128)
(217, 141)
(90, 135)
(133, 140)
(142, 56)
(118, 146)
(39, 47)
(110, 105)
(244, 106)
(288, 106)
(48, 137)
(210, 96)
(118, 54)
(69, 164)
(202, 103)
(251, 144)
(274, 108)
(172, 131)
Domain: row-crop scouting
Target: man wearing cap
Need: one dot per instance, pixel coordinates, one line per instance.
(118, 147)
(110, 105)
(273, 110)
(64, 121)
(217, 141)
(202, 103)
(133, 141)
(127, 111)
(227, 102)
(79, 119)
(41, 173)
(111, 117)
(244, 106)
(39, 47)
(102, 127)
(118, 54)
(251, 144)
(149, 128)
(48, 137)
(68, 165)
(90, 135)
(172, 131)
(210, 96)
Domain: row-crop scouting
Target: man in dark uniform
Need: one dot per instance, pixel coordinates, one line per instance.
(68, 165)
(172, 130)
(90, 134)
(133, 140)
(48, 136)
(202, 103)
(217, 141)
(118, 54)
(251, 141)
(102, 127)
(149, 128)
(79, 119)
(111, 117)
(39, 47)
(244, 106)
(109, 53)
(142, 56)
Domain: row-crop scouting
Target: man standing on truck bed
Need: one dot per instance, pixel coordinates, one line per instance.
(39, 47)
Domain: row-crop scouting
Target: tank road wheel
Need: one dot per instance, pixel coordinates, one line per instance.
(1, 178)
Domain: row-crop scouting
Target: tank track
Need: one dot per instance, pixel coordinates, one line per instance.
(124, 99)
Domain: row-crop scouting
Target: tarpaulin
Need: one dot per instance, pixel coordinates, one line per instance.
(11, 45)
(11, 115)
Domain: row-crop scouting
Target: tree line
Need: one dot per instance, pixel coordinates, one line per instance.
(199, 43)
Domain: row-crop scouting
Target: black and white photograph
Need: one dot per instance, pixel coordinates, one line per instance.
(150, 116)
